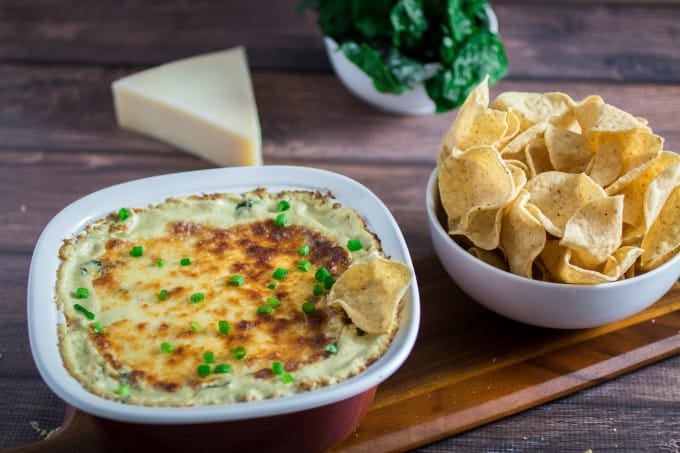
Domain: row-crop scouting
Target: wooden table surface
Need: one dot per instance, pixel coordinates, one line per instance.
(59, 141)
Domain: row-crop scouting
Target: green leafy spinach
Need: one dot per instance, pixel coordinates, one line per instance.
(393, 40)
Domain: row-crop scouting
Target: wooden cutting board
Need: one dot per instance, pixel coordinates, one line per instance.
(470, 366)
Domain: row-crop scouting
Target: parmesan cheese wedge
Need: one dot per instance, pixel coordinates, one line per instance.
(203, 105)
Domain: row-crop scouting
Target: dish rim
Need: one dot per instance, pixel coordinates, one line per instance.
(43, 315)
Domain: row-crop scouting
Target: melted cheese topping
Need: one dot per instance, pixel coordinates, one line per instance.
(145, 301)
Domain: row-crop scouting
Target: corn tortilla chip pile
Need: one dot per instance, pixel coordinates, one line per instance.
(555, 189)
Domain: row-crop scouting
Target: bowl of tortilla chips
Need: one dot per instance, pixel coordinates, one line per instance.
(555, 212)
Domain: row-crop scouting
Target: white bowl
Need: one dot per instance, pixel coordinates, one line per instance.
(43, 315)
(539, 303)
(411, 102)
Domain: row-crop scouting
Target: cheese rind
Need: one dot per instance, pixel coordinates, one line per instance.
(203, 105)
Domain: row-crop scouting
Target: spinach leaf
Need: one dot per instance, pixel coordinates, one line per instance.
(408, 23)
(393, 40)
(334, 16)
(459, 24)
(372, 18)
(475, 8)
(480, 55)
(391, 71)
(406, 70)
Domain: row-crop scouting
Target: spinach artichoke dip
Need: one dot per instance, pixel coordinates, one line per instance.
(225, 298)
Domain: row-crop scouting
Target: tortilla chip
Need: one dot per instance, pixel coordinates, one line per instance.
(489, 257)
(476, 124)
(515, 148)
(482, 226)
(563, 111)
(586, 178)
(558, 263)
(555, 196)
(522, 236)
(568, 150)
(370, 293)
(636, 217)
(617, 153)
(444, 153)
(625, 180)
(594, 231)
(622, 263)
(595, 115)
(537, 156)
(662, 241)
(658, 192)
(532, 108)
(512, 131)
(519, 171)
(473, 186)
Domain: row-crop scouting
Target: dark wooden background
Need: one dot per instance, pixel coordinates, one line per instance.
(59, 141)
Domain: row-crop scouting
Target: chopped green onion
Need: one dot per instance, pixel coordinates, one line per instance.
(194, 326)
(281, 220)
(277, 368)
(137, 251)
(167, 347)
(304, 250)
(203, 370)
(308, 307)
(82, 293)
(97, 327)
(222, 368)
(280, 273)
(271, 286)
(88, 314)
(185, 261)
(273, 302)
(237, 280)
(354, 244)
(283, 205)
(264, 310)
(162, 294)
(209, 357)
(328, 281)
(123, 213)
(239, 352)
(317, 290)
(332, 348)
(321, 274)
(223, 327)
(159, 263)
(304, 265)
(123, 390)
(287, 378)
(197, 297)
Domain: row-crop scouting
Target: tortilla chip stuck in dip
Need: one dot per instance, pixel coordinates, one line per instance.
(225, 298)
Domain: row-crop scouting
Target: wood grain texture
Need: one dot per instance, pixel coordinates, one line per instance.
(58, 125)
(277, 37)
(303, 116)
(470, 366)
(59, 141)
(25, 396)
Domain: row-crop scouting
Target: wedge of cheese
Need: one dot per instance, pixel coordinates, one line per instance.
(203, 105)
